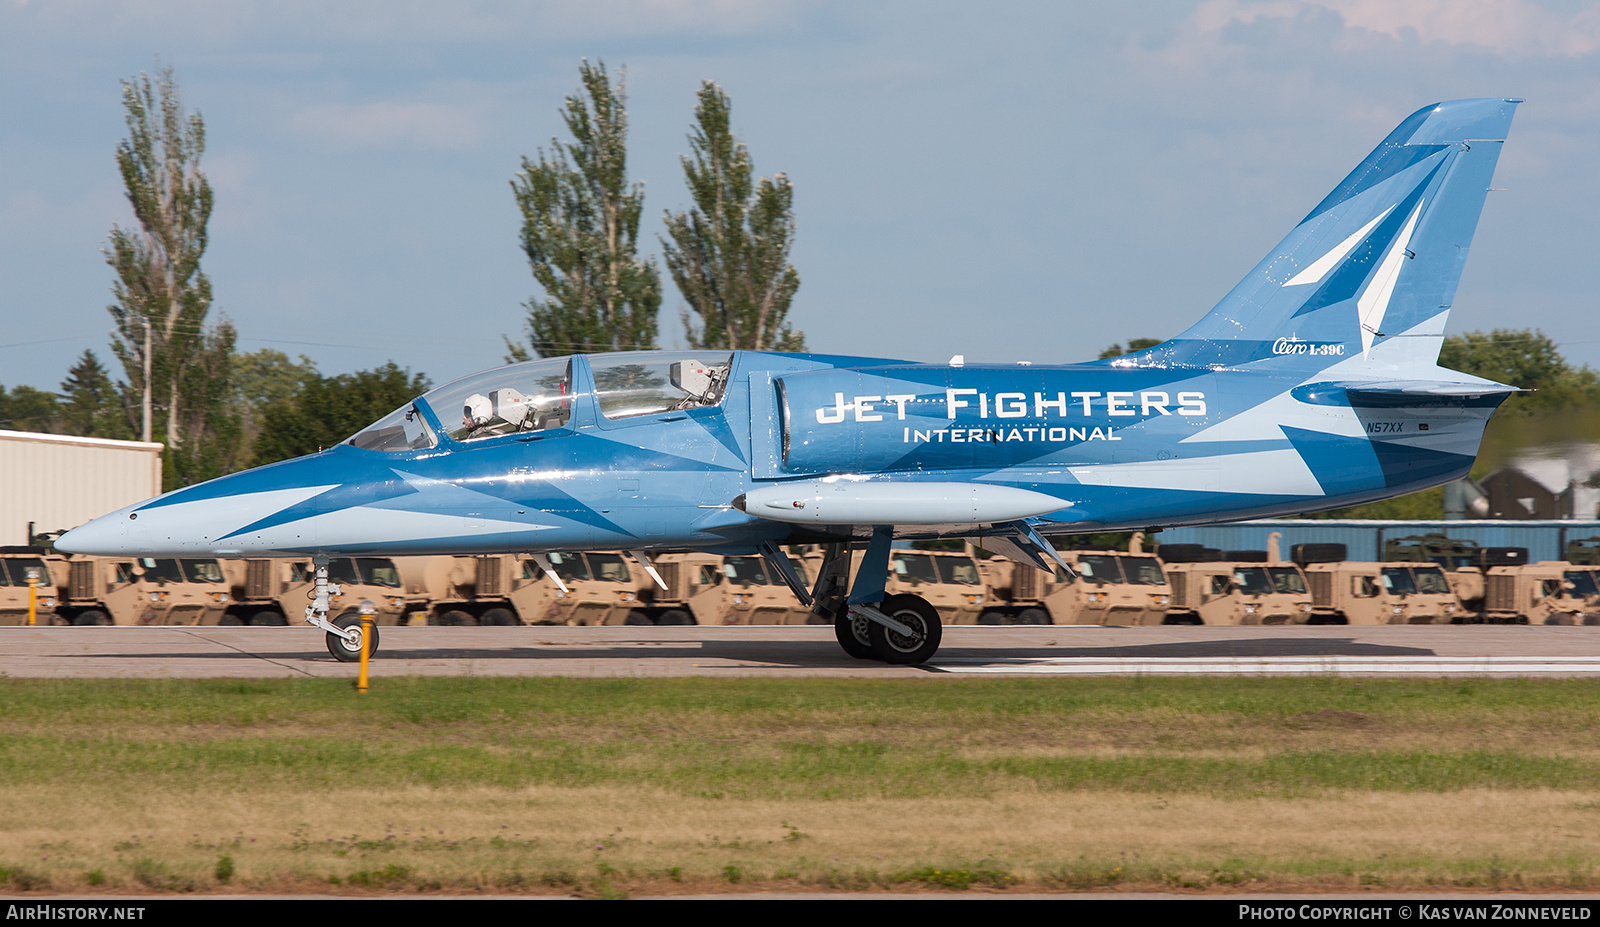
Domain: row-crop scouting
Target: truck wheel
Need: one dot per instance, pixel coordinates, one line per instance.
(91, 616)
(638, 617)
(675, 616)
(500, 617)
(1033, 616)
(994, 616)
(454, 618)
(268, 618)
(1563, 619)
(230, 620)
(343, 650)
(906, 650)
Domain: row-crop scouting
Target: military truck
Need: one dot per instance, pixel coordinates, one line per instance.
(25, 577)
(1107, 587)
(1533, 593)
(1352, 592)
(1450, 553)
(1584, 580)
(276, 592)
(505, 590)
(949, 580)
(1463, 562)
(143, 591)
(1583, 552)
(1211, 586)
(710, 589)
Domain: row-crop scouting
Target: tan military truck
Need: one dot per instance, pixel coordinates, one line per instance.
(710, 589)
(1463, 562)
(1584, 581)
(948, 579)
(276, 592)
(1106, 587)
(1236, 587)
(1533, 593)
(143, 591)
(1349, 592)
(507, 590)
(26, 581)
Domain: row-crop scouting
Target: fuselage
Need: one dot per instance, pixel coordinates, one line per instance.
(651, 451)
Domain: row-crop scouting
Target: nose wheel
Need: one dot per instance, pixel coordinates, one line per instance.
(345, 650)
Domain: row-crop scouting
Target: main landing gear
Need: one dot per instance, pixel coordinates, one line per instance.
(899, 629)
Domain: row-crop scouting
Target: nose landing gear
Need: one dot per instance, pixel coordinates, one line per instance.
(344, 635)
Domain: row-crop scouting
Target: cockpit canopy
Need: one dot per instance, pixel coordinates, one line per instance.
(538, 395)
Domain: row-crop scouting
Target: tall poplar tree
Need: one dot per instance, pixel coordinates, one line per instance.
(729, 255)
(162, 296)
(580, 229)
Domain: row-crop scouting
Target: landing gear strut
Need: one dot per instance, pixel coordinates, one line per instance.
(898, 629)
(344, 635)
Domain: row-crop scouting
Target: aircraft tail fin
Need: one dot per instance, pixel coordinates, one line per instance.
(1370, 273)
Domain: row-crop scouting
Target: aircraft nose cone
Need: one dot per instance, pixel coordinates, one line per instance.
(104, 536)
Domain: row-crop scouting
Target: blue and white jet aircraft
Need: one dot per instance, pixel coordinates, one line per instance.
(1314, 384)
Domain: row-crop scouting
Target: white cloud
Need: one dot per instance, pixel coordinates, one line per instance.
(1516, 27)
(388, 124)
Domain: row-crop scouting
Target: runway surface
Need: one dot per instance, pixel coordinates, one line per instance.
(803, 651)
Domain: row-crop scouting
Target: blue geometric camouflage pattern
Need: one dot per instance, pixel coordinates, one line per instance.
(1314, 384)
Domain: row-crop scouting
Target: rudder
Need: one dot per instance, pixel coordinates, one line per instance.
(1370, 272)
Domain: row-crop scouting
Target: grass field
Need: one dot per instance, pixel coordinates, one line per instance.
(609, 788)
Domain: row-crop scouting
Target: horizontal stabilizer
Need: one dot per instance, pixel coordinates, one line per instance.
(1400, 392)
(848, 502)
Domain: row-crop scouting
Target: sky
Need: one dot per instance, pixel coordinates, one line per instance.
(1008, 181)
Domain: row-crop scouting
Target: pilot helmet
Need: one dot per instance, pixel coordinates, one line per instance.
(477, 410)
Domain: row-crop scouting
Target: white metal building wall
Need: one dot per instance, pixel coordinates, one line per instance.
(59, 481)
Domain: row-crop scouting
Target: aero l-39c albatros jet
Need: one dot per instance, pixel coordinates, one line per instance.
(1314, 384)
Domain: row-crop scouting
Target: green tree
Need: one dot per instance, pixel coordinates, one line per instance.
(1525, 358)
(264, 379)
(327, 410)
(29, 409)
(1135, 344)
(91, 405)
(162, 296)
(729, 255)
(580, 230)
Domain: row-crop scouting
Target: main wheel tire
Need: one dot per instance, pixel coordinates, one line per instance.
(91, 616)
(230, 621)
(638, 617)
(454, 618)
(901, 650)
(852, 635)
(268, 618)
(994, 616)
(1033, 616)
(674, 616)
(343, 650)
(500, 617)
